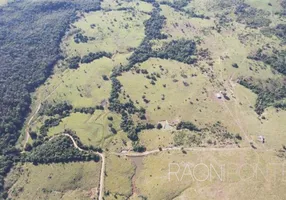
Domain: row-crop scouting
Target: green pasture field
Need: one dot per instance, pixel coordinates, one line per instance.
(181, 92)
(118, 179)
(177, 95)
(54, 181)
(230, 174)
(153, 139)
(91, 129)
(83, 87)
(115, 31)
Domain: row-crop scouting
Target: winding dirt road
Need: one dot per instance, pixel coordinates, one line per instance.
(27, 133)
(101, 184)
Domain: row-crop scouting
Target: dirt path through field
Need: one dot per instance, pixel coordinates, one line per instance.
(101, 181)
(27, 133)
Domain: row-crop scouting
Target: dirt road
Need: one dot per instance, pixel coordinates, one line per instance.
(146, 153)
(101, 184)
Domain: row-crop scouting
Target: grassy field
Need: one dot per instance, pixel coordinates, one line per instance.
(153, 139)
(117, 142)
(181, 92)
(119, 172)
(264, 5)
(83, 87)
(54, 181)
(177, 96)
(114, 31)
(240, 175)
(91, 129)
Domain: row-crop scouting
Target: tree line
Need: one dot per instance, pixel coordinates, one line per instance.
(73, 62)
(30, 36)
(59, 149)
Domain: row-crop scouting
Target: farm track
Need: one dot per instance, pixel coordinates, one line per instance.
(27, 133)
(101, 184)
(146, 153)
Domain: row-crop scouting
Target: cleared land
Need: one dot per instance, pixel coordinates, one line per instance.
(118, 178)
(229, 174)
(111, 31)
(206, 93)
(91, 129)
(55, 181)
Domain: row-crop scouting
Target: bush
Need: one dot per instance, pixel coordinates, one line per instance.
(235, 65)
(270, 93)
(94, 56)
(187, 125)
(80, 38)
(138, 148)
(73, 62)
(159, 126)
(62, 109)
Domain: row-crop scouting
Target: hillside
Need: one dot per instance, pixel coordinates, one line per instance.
(139, 87)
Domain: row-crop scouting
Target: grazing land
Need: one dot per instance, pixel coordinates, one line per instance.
(55, 181)
(212, 174)
(144, 88)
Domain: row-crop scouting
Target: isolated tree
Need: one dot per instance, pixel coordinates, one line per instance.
(159, 126)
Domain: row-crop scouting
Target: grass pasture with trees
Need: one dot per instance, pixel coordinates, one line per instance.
(97, 98)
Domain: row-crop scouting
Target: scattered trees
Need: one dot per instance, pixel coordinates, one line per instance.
(138, 147)
(80, 38)
(270, 93)
(73, 62)
(252, 17)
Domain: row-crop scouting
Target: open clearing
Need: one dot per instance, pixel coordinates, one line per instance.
(119, 172)
(205, 174)
(112, 31)
(81, 88)
(54, 181)
(91, 129)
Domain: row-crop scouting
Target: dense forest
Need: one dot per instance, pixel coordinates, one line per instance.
(30, 36)
(276, 60)
(59, 149)
(270, 93)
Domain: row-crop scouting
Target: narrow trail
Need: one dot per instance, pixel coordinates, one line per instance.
(27, 133)
(237, 119)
